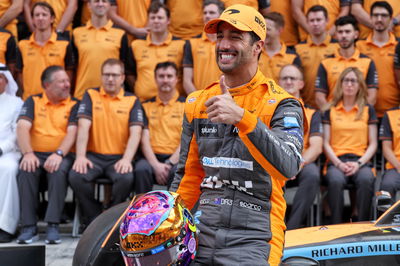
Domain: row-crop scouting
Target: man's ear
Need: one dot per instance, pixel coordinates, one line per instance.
(258, 46)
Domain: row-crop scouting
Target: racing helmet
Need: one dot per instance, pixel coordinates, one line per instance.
(157, 229)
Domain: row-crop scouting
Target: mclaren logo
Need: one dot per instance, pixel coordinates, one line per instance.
(232, 11)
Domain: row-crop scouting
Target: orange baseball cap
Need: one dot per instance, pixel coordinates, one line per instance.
(242, 17)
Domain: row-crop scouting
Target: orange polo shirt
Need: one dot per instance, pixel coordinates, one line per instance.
(164, 123)
(332, 6)
(348, 135)
(365, 31)
(146, 56)
(12, 26)
(330, 69)
(49, 121)
(111, 119)
(186, 18)
(256, 4)
(311, 55)
(290, 33)
(32, 59)
(92, 47)
(8, 47)
(271, 66)
(199, 54)
(59, 7)
(390, 130)
(388, 94)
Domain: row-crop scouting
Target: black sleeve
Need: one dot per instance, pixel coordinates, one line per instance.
(74, 49)
(85, 107)
(69, 59)
(385, 131)
(136, 116)
(326, 117)
(124, 53)
(372, 76)
(11, 52)
(321, 82)
(316, 124)
(20, 62)
(187, 55)
(73, 115)
(372, 119)
(297, 61)
(131, 63)
(28, 110)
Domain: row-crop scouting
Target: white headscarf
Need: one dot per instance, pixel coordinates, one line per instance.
(11, 87)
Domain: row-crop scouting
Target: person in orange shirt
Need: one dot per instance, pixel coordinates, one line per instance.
(346, 56)
(46, 131)
(261, 5)
(318, 46)
(199, 54)
(336, 9)
(350, 142)
(275, 53)
(43, 48)
(291, 79)
(130, 16)
(290, 34)
(159, 46)
(361, 9)
(110, 122)
(160, 141)
(380, 46)
(9, 10)
(64, 13)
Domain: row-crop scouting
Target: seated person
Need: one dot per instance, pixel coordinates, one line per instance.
(292, 80)
(46, 131)
(350, 141)
(10, 105)
(161, 139)
(110, 122)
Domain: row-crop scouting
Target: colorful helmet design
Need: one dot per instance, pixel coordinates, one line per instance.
(158, 229)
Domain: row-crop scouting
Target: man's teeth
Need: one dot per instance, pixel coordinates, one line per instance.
(226, 56)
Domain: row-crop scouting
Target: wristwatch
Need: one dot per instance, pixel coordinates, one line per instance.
(59, 152)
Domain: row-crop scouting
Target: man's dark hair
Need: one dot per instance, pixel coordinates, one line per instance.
(382, 4)
(347, 20)
(164, 65)
(219, 4)
(156, 6)
(45, 5)
(277, 18)
(47, 74)
(113, 62)
(318, 8)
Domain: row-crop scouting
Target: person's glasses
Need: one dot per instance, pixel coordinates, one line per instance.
(112, 75)
(383, 15)
(288, 78)
(350, 80)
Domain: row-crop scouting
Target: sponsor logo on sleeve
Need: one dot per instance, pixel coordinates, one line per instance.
(225, 162)
(290, 121)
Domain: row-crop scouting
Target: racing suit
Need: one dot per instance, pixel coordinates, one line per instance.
(237, 172)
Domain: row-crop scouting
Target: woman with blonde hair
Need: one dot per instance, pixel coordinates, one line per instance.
(350, 141)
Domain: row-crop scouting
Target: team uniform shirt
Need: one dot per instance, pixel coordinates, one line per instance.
(144, 58)
(59, 7)
(390, 130)
(186, 18)
(92, 47)
(199, 54)
(256, 4)
(237, 171)
(314, 124)
(134, 12)
(271, 66)
(8, 47)
(330, 69)
(164, 123)
(332, 6)
(49, 121)
(32, 59)
(111, 119)
(311, 55)
(290, 33)
(348, 135)
(12, 26)
(388, 93)
(365, 31)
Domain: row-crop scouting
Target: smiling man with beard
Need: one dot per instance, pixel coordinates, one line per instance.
(241, 140)
(346, 56)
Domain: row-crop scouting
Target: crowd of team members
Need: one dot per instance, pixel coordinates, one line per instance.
(129, 68)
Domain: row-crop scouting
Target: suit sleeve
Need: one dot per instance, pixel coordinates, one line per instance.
(278, 148)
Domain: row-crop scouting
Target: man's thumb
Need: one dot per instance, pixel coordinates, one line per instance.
(224, 88)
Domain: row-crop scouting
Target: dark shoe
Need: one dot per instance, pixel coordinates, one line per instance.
(5, 237)
(29, 234)
(52, 234)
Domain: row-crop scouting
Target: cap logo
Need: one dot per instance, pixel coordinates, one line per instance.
(232, 11)
(259, 22)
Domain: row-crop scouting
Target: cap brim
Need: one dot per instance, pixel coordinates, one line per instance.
(212, 25)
